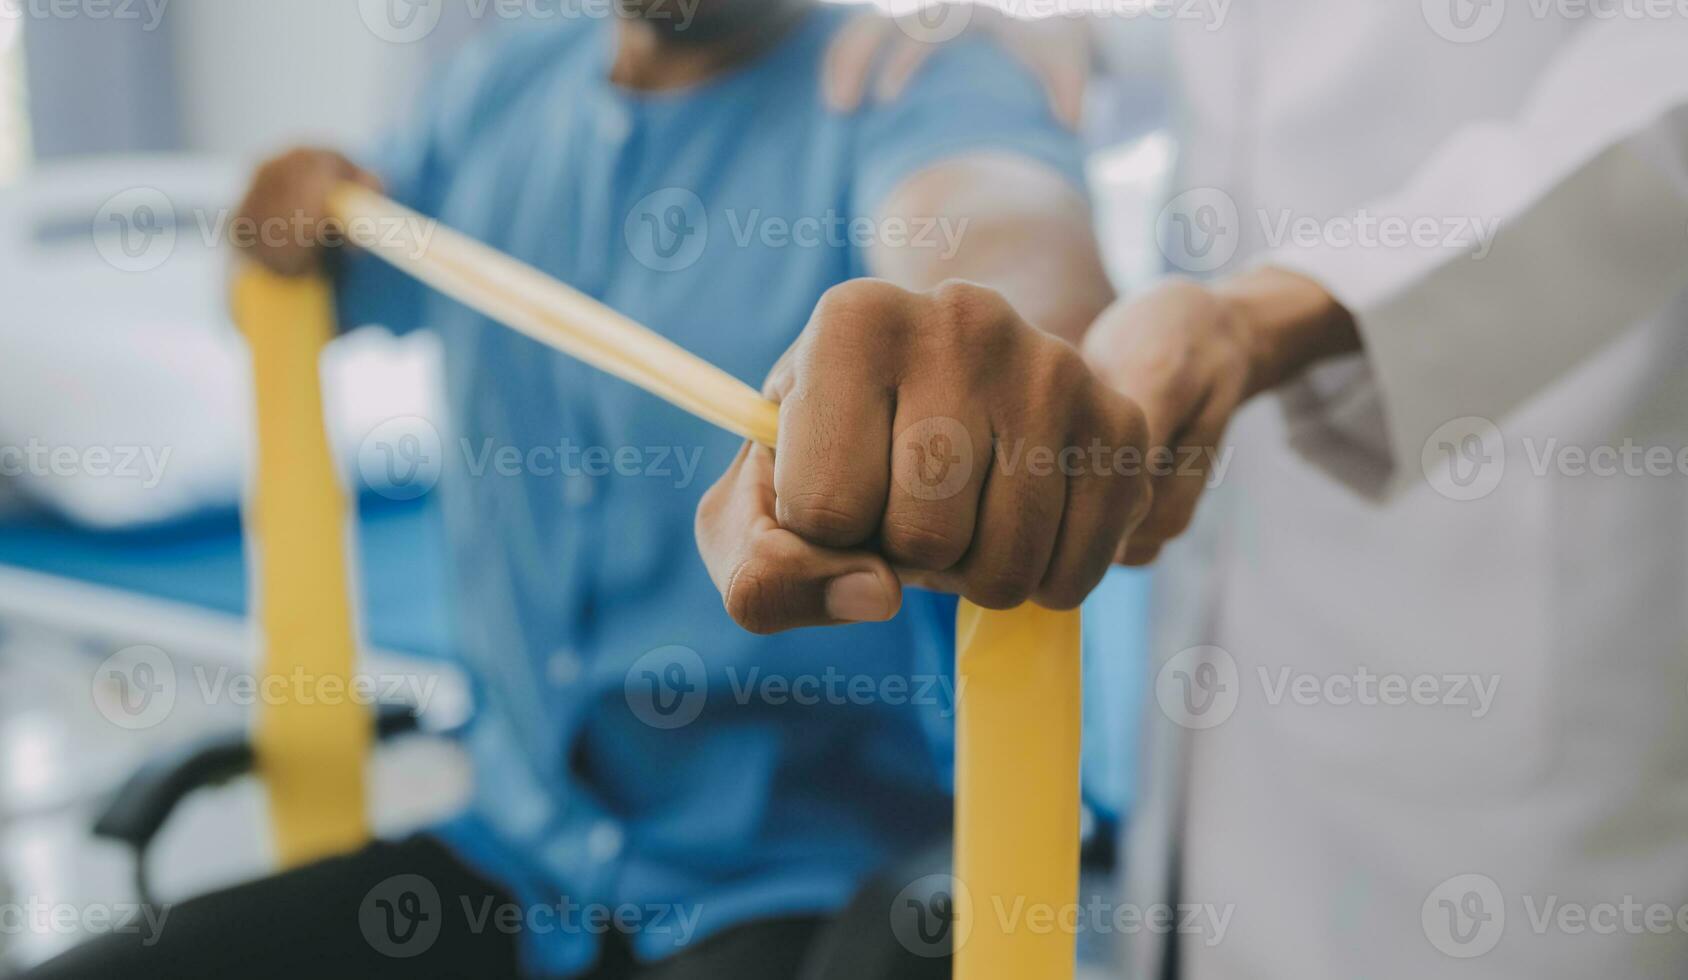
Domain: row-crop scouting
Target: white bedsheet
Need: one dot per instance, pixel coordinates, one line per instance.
(124, 396)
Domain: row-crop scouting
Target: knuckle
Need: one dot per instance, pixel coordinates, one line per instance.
(1063, 384)
(837, 299)
(833, 520)
(968, 304)
(971, 325)
(1122, 418)
(916, 545)
(852, 310)
(1139, 493)
(1002, 587)
(1171, 362)
(1065, 370)
(754, 597)
(967, 309)
(1068, 590)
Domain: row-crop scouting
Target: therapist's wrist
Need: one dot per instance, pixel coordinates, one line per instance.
(1291, 323)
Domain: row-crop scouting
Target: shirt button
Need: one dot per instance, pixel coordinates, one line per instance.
(563, 667)
(604, 842)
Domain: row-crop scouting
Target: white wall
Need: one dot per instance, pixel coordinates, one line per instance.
(254, 75)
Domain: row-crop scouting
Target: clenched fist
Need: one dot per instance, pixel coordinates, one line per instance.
(925, 438)
(284, 223)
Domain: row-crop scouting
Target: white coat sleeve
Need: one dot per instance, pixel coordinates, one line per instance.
(1589, 186)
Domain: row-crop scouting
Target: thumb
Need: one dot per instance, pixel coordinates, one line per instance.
(782, 582)
(771, 579)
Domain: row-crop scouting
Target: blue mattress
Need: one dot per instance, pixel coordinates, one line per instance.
(403, 592)
(202, 562)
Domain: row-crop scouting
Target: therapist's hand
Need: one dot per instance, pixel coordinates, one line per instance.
(925, 438)
(1190, 355)
(874, 56)
(284, 224)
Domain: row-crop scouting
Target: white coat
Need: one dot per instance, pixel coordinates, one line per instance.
(1428, 714)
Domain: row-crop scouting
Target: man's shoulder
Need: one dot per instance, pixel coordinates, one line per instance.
(968, 96)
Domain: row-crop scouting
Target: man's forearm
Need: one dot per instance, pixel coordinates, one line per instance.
(1011, 224)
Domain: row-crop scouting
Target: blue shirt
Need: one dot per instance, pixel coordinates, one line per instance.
(635, 750)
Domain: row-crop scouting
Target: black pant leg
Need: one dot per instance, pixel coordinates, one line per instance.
(896, 928)
(412, 910)
(389, 910)
(772, 949)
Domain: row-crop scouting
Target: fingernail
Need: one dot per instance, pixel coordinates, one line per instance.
(858, 597)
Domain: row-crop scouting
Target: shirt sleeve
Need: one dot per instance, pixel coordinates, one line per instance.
(368, 291)
(1588, 188)
(969, 97)
(414, 160)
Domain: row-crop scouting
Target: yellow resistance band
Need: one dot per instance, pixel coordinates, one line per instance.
(1018, 672)
(312, 736)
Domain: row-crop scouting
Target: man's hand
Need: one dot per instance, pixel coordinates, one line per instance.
(925, 438)
(1190, 356)
(284, 219)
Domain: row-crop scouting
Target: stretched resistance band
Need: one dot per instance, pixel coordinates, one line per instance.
(1018, 672)
(312, 738)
